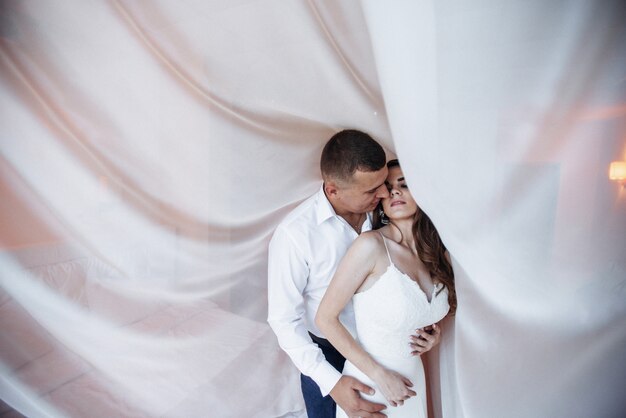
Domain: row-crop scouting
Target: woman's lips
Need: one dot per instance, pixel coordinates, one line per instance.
(397, 202)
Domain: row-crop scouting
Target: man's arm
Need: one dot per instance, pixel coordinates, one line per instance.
(287, 277)
(288, 273)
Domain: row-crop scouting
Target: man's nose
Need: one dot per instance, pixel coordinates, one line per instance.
(382, 192)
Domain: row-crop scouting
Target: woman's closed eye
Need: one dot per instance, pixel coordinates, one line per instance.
(403, 186)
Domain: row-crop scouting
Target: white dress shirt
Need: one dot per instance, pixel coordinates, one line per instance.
(304, 253)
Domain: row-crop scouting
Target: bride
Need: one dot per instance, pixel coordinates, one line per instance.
(400, 279)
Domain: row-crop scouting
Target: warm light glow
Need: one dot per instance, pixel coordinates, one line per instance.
(617, 170)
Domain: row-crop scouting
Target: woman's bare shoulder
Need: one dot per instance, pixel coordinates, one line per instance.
(376, 234)
(371, 253)
(369, 241)
(370, 236)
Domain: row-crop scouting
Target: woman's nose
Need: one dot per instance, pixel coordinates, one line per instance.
(394, 191)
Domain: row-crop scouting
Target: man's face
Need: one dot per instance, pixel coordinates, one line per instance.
(364, 192)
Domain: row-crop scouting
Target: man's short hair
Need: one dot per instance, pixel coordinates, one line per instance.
(348, 151)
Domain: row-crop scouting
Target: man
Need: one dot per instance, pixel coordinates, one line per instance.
(304, 253)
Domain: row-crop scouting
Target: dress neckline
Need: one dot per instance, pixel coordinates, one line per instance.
(416, 282)
(404, 276)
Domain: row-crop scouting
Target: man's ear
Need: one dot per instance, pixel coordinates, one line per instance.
(331, 189)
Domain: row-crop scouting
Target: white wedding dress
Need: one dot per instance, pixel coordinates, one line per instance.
(387, 314)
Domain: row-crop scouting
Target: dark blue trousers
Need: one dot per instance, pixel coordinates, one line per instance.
(318, 406)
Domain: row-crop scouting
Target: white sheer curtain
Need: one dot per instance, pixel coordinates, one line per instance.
(509, 114)
(148, 149)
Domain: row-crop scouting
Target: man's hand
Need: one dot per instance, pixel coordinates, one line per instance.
(346, 395)
(425, 339)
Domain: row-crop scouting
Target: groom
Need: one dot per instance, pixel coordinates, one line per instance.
(304, 253)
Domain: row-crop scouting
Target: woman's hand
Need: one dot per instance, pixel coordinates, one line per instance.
(394, 386)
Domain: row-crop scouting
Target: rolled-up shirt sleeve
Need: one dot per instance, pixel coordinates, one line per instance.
(288, 273)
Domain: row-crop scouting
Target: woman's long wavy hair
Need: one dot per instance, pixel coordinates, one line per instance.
(430, 248)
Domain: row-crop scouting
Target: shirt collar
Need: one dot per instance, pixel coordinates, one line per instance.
(324, 210)
(367, 224)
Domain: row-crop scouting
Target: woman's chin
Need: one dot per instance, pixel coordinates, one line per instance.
(399, 216)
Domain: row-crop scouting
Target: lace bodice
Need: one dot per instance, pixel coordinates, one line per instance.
(388, 313)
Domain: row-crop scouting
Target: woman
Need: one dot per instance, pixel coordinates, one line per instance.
(399, 278)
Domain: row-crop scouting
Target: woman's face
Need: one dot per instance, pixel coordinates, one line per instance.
(400, 203)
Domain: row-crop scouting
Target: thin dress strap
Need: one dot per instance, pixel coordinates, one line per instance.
(386, 248)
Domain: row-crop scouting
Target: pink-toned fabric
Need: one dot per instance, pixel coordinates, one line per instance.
(148, 150)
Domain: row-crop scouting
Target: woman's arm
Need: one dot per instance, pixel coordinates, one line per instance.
(358, 263)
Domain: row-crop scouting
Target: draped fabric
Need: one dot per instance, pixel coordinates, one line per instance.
(149, 149)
